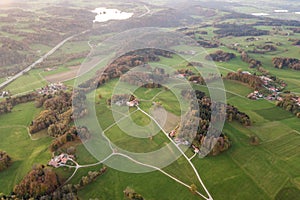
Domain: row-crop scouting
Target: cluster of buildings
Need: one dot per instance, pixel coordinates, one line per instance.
(50, 69)
(122, 100)
(52, 88)
(4, 94)
(196, 149)
(177, 140)
(255, 95)
(132, 103)
(60, 160)
(270, 85)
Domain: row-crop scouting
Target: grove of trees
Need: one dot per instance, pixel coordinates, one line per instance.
(5, 160)
(291, 103)
(220, 56)
(253, 81)
(291, 63)
(38, 182)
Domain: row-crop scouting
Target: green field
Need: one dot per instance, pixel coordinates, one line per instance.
(27, 83)
(269, 170)
(17, 143)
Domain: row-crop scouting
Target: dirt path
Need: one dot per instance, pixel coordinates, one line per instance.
(64, 76)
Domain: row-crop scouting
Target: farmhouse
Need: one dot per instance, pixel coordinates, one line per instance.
(52, 88)
(172, 133)
(62, 159)
(4, 94)
(133, 103)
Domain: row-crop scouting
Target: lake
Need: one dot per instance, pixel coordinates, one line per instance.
(260, 14)
(104, 15)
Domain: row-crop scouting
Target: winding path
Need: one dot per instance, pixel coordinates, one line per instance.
(78, 166)
(179, 149)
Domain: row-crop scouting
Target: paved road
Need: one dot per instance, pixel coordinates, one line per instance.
(40, 60)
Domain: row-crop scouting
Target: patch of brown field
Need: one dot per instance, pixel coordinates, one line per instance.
(172, 121)
(64, 76)
(167, 120)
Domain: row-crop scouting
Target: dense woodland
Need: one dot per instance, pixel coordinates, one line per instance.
(56, 117)
(227, 29)
(122, 65)
(39, 181)
(220, 56)
(291, 63)
(43, 183)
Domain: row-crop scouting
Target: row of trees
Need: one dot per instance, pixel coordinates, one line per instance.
(122, 65)
(216, 141)
(220, 56)
(291, 103)
(72, 134)
(130, 194)
(7, 105)
(252, 62)
(91, 177)
(228, 29)
(253, 81)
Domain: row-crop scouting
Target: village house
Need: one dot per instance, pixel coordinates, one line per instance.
(52, 88)
(180, 76)
(255, 95)
(196, 149)
(246, 72)
(62, 159)
(172, 133)
(133, 103)
(4, 94)
(296, 100)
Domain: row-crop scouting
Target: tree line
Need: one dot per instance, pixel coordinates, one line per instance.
(253, 81)
(8, 104)
(216, 141)
(122, 65)
(228, 29)
(220, 56)
(252, 62)
(291, 103)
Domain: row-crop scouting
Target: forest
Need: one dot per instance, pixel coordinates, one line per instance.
(216, 141)
(227, 29)
(220, 56)
(290, 63)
